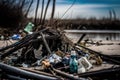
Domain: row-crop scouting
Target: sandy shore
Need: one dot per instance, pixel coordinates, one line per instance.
(4, 43)
(107, 49)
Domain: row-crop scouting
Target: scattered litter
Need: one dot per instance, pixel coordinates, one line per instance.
(52, 54)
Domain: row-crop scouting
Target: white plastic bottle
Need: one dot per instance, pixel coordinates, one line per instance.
(81, 68)
(87, 65)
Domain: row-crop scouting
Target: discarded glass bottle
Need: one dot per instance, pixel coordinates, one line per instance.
(73, 63)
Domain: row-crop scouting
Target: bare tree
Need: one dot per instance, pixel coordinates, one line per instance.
(46, 11)
(27, 11)
(36, 12)
(53, 9)
(22, 3)
(42, 11)
(110, 13)
(12, 12)
(114, 14)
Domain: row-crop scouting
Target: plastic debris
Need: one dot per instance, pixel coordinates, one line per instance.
(55, 58)
(45, 52)
(85, 63)
(16, 37)
(29, 28)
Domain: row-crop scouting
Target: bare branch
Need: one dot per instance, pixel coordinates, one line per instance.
(42, 11)
(36, 12)
(46, 11)
(53, 9)
(28, 8)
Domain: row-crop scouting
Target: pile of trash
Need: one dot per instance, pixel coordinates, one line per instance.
(49, 55)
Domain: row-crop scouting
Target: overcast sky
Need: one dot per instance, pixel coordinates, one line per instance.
(85, 8)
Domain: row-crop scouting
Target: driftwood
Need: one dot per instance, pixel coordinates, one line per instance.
(26, 38)
(14, 44)
(35, 71)
(107, 58)
(32, 74)
(81, 38)
(45, 43)
(11, 77)
(27, 41)
(66, 75)
(105, 73)
(26, 74)
(104, 57)
(23, 45)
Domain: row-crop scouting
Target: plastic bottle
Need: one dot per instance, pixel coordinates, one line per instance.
(29, 27)
(2, 37)
(81, 68)
(85, 63)
(73, 63)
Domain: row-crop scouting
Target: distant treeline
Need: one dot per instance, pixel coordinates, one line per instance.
(13, 15)
(90, 24)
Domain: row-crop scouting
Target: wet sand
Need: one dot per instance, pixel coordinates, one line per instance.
(4, 43)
